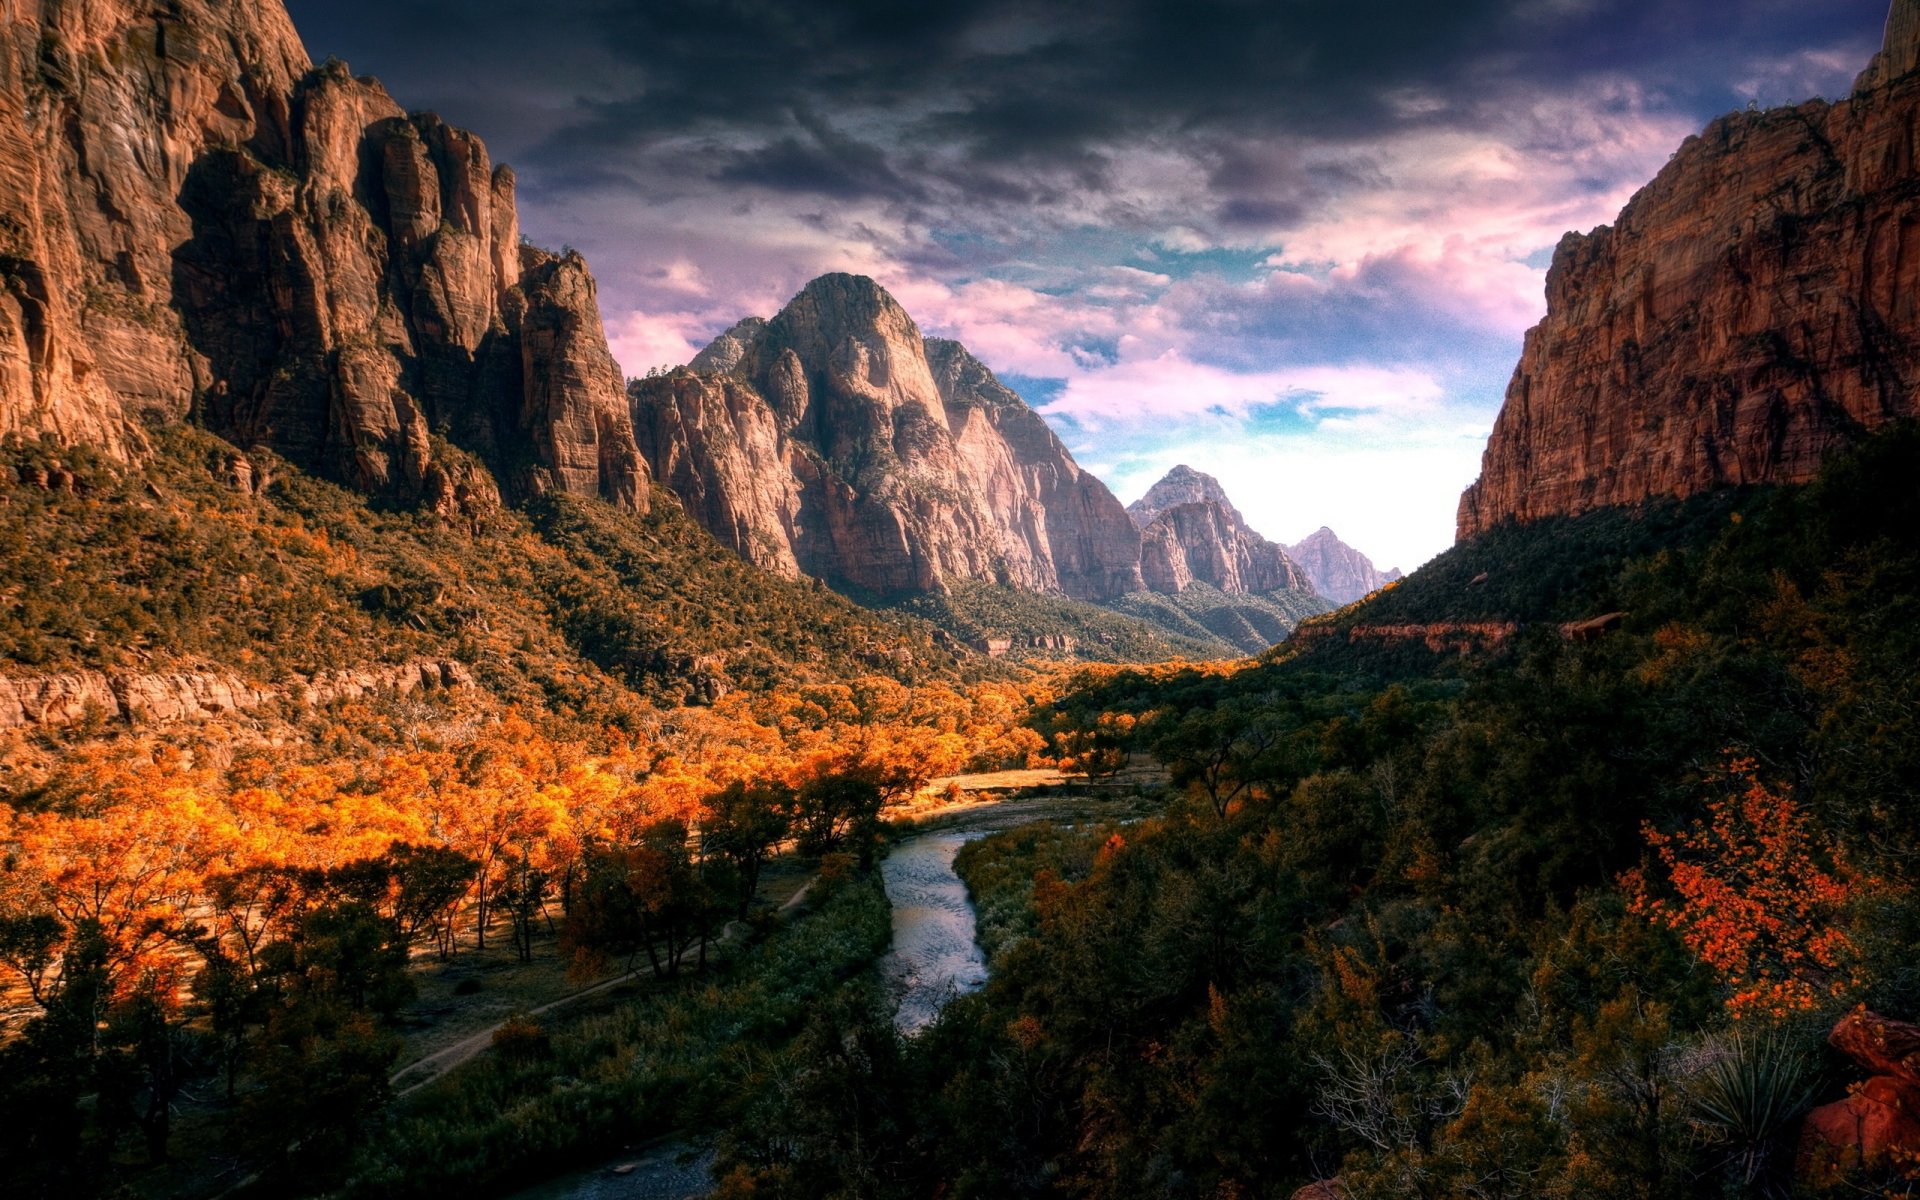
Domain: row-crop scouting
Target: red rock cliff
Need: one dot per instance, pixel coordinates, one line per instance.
(195, 222)
(1753, 309)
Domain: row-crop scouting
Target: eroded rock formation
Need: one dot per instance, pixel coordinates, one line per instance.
(835, 441)
(1191, 533)
(1878, 1123)
(1339, 572)
(196, 222)
(145, 700)
(1755, 307)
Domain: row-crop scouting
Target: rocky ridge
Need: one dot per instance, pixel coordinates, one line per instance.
(197, 223)
(1191, 533)
(143, 700)
(1754, 308)
(835, 441)
(1339, 572)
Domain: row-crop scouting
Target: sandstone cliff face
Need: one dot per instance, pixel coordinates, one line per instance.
(1756, 306)
(1191, 533)
(836, 442)
(1339, 572)
(145, 700)
(195, 222)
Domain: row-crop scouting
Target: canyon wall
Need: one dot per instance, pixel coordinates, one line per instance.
(1753, 309)
(195, 223)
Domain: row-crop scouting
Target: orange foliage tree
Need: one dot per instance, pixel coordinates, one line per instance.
(1759, 896)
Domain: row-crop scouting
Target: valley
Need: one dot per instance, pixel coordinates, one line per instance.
(433, 762)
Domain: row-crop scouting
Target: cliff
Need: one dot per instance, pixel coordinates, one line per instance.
(835, 441)
(1753, 308)
(1191, 533)
(196, 223)
(1339, 572)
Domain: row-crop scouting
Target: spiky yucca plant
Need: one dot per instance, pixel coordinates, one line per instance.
(1747, 1095)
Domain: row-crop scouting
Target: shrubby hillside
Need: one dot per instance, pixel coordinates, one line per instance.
(1571, 917)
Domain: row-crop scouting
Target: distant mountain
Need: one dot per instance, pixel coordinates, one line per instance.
(1751, 312)
(1182, 485)
(835, 441)
(1192, 534)
(1339, 572)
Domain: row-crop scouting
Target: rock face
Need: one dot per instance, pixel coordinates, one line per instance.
(1754, 308)
(1191, 533)
(1339, 572)
(1182, 485)
(194, 222)
(66, 700)
(835, 441)
(1879, 1122)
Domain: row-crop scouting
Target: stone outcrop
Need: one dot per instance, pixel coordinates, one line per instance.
(835, 441)
(145, 700)
(1191, 533)
(1880, 1044)
(1754, 308)
(1441, 637)
(1878, 1123)
(196, 223)
(1338, 571)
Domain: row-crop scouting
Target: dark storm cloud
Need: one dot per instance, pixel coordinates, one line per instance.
(1003, 101)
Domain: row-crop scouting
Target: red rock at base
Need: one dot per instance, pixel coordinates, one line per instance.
(1878, 1124)
(1326, 1189)
(1880, 1044)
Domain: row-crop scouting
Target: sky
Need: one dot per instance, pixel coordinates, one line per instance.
(1291, 243)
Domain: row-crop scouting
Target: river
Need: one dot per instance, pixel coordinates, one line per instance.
(935, 956)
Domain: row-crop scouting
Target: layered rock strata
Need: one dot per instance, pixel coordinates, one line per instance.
(1754, 308)
(195, 222)
(835, 441)
(145, 700)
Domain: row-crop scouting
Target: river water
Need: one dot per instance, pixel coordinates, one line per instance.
(935, 956)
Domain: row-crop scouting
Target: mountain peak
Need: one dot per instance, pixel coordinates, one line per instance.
(835, 440)
(1182, 485)
(1339, 572)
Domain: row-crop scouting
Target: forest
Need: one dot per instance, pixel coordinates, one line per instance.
(1569, 919)
(1567, 916)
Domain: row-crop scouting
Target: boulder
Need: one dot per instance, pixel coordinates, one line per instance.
(1877, 1125)
(1880, 1044)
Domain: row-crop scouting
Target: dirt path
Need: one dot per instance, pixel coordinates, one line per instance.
(447, 1058)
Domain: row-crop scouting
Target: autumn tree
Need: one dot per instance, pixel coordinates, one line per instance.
(1757, 895)
(743, 824)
